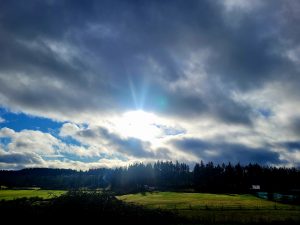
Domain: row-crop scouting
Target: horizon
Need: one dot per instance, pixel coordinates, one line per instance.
(110, 83)
(190, 166)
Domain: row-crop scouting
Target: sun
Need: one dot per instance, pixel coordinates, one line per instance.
(139, 124)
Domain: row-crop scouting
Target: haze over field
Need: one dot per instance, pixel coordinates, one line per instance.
(87, 84)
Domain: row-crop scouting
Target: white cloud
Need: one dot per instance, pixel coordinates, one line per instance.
(44, 144)
(6, 132)
(31, 141)
(68, 129)
(280, 101)
(29, 148)
(241, 4)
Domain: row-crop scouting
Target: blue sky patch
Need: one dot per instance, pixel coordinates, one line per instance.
(21, 121)
(265, 112)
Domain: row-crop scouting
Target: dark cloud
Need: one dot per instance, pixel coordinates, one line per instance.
(134, 147)
(114, 143)
(191, 144)
(87, 133)
(185, 60)
(20, 158)
(295, 125)
(115, 46)
(292, 145)
(100, 137)
(227, 152)
(128, 146)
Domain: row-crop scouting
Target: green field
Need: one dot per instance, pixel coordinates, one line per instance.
(14, 194)
(217, 207)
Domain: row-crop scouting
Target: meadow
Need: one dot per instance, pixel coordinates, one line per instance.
(81, 206)
(202, 208)
(217, 208)
(29, 193)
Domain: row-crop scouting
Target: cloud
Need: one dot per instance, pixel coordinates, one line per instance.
(21, 158)
(29, 160)
(68, 129)
(2, 120)
(48, 66)
(76, 143)
(112, 143)
(292, 146)
(30, 141)
(29, 148)
(295, 125)
(220, 152)
(241, 5)
(205, 69)
(130, 146)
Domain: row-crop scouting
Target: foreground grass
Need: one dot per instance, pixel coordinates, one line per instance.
(83, 207)
(217, 208)
(16, 194)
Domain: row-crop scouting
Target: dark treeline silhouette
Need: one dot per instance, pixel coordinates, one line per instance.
(239, 179)
(225, 178)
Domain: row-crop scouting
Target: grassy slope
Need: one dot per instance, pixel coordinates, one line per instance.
(217, 207)
(14, 194)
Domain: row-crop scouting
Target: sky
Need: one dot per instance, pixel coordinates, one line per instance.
(87, 84)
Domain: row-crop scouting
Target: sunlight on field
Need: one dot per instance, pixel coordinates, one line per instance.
(14, 194)
(216, 207)
(171, 200)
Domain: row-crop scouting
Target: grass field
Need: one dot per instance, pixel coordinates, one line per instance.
(217, 207)
(14, 194)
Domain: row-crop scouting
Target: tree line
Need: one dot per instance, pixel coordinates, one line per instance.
(224, 178)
